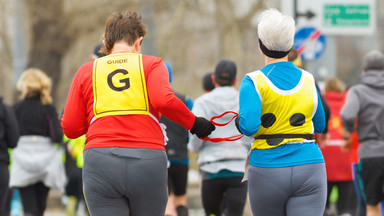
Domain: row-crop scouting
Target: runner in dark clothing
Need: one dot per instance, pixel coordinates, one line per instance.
(9, 135)
(178, 159)
(365, 103)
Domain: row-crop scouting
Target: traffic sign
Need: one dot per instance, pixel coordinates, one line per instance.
(309, 43)
(346, 15)
(334, 17)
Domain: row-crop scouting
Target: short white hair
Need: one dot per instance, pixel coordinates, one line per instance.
(276, 31)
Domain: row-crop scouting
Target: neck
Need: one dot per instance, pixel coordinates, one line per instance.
(268, 60)
(120, 47)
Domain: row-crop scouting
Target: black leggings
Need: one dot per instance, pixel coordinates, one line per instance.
(228, 190)
(178, 179)
(34, 199)
(4, 181)
(347, 197)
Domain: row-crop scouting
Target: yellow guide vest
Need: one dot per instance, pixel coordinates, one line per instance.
(286, 115)
(119, 86)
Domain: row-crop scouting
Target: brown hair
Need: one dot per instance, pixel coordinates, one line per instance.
(34, 82)
(292, 55)
(333, 84)
(122, 26)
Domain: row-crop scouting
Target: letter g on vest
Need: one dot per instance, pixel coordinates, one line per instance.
(124, 81)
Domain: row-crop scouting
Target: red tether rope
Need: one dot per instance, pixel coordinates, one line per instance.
(231, 138)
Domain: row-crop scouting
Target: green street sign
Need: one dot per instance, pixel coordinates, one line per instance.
(344, 15)
(334, 17)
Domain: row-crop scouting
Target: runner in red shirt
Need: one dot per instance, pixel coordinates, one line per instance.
(338, 162)
(117, 101)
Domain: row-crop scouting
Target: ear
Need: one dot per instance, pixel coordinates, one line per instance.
(138, 44)
(214, 80)
(234, 82)
(106, 50)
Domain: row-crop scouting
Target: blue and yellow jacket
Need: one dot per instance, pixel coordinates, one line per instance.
(281, 108)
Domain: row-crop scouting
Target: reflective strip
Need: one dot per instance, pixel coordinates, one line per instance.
(162, 127)
(335, 142)
(92, 120)
(154, 118)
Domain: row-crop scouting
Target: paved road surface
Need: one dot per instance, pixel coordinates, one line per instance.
(55, 206)
(60, 212)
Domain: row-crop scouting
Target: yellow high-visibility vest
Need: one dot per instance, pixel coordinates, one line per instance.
(119, 86)
(286, 115)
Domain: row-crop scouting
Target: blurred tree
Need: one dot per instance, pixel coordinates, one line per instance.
(62, 33)
(233, 26)
(48, 38)
(56, 25)
(194, 35)
(6, 88)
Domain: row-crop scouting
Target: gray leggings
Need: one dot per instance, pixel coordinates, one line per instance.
(122, 181)
(288, 191)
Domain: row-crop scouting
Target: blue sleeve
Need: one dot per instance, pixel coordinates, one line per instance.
(250, 108)
(319, 117)
(189, 103)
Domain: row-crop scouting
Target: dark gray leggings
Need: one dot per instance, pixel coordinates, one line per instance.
(122, 181)
(288, 191)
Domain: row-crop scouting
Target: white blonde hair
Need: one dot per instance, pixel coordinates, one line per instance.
(276, 31)
(34, 82)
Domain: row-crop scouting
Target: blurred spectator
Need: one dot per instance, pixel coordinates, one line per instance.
(37, 162)
(97, 53)
(207, 82)
(177, 153)
(9, 135)
(222, 164)
(365, 102)
(73, 166)
(294, 57)
(351, 145)
(337, 163)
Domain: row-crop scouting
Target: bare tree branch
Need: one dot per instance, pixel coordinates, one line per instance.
(246, 21)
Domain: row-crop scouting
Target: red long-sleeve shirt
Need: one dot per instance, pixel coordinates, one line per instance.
(127, 131)
(337, 163)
